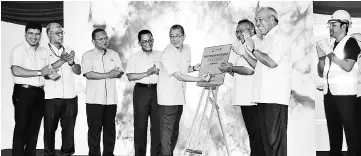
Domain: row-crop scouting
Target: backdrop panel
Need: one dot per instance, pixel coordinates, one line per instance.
(44, 12)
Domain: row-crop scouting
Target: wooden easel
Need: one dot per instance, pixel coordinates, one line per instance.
(213, 102)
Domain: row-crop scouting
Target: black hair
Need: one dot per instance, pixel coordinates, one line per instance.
(96, 31)
(177, 26)
(142, 32)
(249, 23)
(33, 25)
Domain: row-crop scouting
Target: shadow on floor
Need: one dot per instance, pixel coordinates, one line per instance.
(39, 152)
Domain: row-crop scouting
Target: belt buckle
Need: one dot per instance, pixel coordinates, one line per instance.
(149, 85)
(26, 86)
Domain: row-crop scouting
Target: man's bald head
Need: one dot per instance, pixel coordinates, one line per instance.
(266, 19)
(270, 11)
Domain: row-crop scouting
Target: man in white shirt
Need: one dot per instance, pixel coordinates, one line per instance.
(340, 92)
(102, 67)
(243, 65)
(272, 81)
(142, 69)
(28, 66)
(171, 87)
(61, 102)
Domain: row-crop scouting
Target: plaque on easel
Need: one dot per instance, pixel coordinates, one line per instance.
(211, 60)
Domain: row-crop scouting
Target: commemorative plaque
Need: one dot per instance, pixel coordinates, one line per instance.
(211, 60)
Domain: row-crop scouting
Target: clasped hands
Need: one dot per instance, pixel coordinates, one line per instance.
(115, 73)
(68, 57)
(248, 45)
(152, 70)
(324, 48)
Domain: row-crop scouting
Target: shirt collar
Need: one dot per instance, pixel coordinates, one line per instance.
(55, 48)
(27, 46)
(97, 51)
(271, 32)
(173, 48)
(144, 53)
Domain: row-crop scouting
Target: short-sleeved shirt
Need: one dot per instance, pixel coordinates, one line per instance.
(171, 91)
(25, 56)
(140, 62)
(65, 86)
(273, 85)
(101, 91)
(351, 49)
(241, 93)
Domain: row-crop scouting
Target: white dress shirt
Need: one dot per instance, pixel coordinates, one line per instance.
(101, 91)
(140, 62)
(273, 85)
(65, 86)
(171, 91)
(25, 56)
(243, 86)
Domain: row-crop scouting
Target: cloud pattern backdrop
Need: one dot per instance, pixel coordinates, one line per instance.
(206, 24)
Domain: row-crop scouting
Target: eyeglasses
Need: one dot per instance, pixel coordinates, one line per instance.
(241, 31)
(59, 33)
(176, 37)
(147, 41)
(259, 20)
(332, 24)
(102, 39)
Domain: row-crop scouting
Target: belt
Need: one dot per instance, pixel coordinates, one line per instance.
(29, 86)
(146, 85)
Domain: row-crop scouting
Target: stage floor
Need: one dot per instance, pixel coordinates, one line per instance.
(40, 152)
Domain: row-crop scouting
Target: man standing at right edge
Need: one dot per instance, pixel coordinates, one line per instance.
(341, 88)
(272, 81)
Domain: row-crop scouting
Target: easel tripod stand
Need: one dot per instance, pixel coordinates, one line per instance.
(212, 90)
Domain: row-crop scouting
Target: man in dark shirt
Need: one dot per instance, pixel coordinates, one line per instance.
(341, 88)
(357, 37)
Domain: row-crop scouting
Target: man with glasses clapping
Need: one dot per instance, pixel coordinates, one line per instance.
(101, 67)
(143, 69)
(61, 101)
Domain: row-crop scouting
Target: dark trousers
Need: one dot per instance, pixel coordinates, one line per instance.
(29, 109)
(101, 117)
(358, 120)
(169, 127)
(144, 105)
(251, 120)
(340, 114)
(66, 111)
(273, 122)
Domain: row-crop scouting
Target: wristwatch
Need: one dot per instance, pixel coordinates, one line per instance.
(253, 51)
(39, 73)
(193, 68)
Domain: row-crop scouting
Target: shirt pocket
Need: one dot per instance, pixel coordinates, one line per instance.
(111, 64)
(42, 61)
(98, 65)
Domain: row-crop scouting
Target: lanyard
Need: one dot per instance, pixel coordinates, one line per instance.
(52, 50)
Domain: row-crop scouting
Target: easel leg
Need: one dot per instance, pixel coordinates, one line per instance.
(202, 119)
(194, 120)
(220, 120)
(208, 130)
